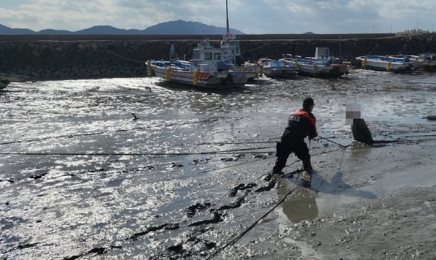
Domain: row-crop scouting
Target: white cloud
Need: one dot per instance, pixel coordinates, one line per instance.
(249, 16)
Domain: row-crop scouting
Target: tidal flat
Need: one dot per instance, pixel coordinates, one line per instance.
(81, 179)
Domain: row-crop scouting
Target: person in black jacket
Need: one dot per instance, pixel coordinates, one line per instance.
(361, 132)
(301, 123)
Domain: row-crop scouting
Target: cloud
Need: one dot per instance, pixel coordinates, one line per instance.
(253, 17)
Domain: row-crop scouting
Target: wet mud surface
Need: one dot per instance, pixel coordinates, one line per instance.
(81, 179)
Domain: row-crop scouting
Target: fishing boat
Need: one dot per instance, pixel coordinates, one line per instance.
(4, 83)
(209, 67)
(321, 65)
(385, 63)
(276, 68)
(431, 61)
(417, 62)
(6, 79)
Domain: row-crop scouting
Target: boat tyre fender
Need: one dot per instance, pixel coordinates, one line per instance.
(228, 79)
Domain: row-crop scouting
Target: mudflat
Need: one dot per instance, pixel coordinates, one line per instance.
(79, 178)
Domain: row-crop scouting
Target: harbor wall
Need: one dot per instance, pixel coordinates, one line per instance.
(81, 57)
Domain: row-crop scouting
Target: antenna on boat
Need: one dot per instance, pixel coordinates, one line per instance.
(227, 16)
(172, 52)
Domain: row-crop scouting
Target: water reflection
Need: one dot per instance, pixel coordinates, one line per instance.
(359, 150)
(300, 204)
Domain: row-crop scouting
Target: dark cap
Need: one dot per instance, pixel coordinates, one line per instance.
(308, 102)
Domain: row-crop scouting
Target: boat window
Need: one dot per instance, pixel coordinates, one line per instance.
(222, 66)
(277, 64)
(207, 56)
(217, 56)
(233, 46)
(196, 54)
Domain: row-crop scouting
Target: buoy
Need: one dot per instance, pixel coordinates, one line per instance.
(168, 74)
(195, 76)
(388, 67)
(149, 73)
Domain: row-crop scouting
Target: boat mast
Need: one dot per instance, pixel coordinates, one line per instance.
(228, 29)
(227, 16)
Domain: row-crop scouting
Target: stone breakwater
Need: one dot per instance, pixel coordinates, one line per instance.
(81, 57)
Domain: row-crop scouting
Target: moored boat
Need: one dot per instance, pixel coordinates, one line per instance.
(6, 79)
(276, 68)
(4, 83)
(417, 62)
(385, 63)
(209, 67)
(431, 61)
(322, 65)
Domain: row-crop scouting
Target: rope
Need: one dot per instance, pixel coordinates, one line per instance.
(404, 47)
(419, 43)
(137, 154)
(342, 146)
(376, 45)
(233, 241)
(255, 49)
(125, 57)
(13, 75)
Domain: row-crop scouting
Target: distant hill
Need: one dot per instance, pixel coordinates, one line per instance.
(308, 33)
(174, 27)
(7, 30)
(183, 27)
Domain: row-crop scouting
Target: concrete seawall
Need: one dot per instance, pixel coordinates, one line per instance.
(96, 56)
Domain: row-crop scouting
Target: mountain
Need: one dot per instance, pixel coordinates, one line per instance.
(108, 30)
(51, 31)
(183, 27)
(308, 33)
(7, 30)
(174, 27)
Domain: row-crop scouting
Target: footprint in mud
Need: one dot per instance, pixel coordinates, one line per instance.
(152, 229)
(192, 210)
(216, 218)
(270, 185)
(241, 186)
(38, 176)
(234, 205)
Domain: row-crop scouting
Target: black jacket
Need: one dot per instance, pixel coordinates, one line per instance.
(361, 131)
(299, 127)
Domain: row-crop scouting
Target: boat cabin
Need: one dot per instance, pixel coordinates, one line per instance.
(322, 53)
(208, 58)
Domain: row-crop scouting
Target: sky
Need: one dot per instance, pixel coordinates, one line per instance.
(248, 16)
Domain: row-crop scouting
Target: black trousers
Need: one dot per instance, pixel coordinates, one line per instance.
(285, 147)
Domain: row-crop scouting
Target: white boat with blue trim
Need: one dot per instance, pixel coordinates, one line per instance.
(385, 63)
(276, 68)
(322, 65)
